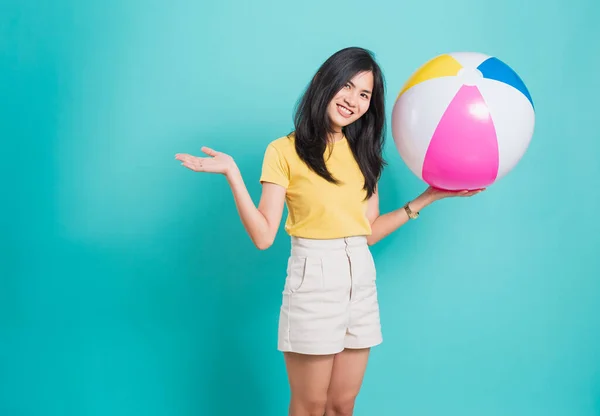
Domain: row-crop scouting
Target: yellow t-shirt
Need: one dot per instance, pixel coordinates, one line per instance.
(317, 208)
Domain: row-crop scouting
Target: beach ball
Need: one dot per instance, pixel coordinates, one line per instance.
(462, 121)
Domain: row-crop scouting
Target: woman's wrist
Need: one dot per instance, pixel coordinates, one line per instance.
(232, 173)
(421, 201)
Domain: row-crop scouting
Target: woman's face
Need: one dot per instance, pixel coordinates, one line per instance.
(352, 101)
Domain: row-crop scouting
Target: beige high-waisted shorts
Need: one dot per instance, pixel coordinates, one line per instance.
(329, 297)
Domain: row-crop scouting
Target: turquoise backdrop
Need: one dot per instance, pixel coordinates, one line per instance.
(129, 287)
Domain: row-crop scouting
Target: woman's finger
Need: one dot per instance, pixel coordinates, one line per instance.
(184, 157)
(209, 151)
(189, 165)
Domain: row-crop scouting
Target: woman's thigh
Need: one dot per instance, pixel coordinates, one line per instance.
(348, 372)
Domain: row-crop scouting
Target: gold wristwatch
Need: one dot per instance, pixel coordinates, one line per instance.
(412, 215)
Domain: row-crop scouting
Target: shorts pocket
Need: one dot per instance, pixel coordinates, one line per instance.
(369, 271)
(303, 274)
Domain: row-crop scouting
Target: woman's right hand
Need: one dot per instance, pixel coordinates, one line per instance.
(261, 222)
(217, 162)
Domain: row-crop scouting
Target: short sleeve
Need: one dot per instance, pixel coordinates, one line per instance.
(275, 168)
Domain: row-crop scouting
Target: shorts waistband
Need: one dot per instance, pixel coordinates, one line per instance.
(308, 246)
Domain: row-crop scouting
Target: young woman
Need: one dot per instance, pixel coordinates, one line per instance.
(326, 172)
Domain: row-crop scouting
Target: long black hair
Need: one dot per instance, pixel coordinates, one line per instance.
(365, 136)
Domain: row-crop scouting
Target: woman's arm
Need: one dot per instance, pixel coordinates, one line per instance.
(384, 225)
(260, 223)
(263, 222)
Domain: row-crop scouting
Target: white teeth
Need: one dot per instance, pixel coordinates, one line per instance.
(344, 109)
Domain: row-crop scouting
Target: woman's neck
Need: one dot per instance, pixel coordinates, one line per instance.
(336, 136)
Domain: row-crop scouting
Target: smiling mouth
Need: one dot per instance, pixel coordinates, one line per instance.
(344, 111)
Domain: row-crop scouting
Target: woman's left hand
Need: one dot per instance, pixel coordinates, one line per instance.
(431, 194)
(437, 194)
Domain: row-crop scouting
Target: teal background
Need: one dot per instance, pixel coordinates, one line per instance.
(129, 287)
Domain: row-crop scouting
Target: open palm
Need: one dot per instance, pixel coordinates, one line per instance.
(216, 162)
(441, 194)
